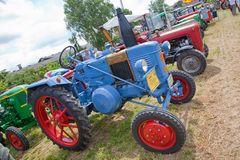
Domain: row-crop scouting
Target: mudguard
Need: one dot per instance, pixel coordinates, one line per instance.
(52, 81)
(183, 48)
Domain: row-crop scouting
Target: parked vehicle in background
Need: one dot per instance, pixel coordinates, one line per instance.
(15, 117)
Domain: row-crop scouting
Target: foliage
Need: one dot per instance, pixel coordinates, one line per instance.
(74, 41)
(127, 11)
(25, 76)
(156, 6)
(85, 16)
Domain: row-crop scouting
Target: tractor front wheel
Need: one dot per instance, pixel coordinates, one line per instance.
(192, 61)
(187, 86)
(17, 139)
(61, 117)
(159, 131)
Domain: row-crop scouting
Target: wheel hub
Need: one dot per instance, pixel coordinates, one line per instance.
(15, 141)
(191, 64)
(157, 135)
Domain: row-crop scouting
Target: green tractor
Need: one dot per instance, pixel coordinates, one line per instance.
(195, 17)
(15, 117)
(175, 23)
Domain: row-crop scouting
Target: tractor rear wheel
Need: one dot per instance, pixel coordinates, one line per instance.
(192, 61)
(61, 117)
(159, 131)
(17, 139)
(206, 50)
(187, 85)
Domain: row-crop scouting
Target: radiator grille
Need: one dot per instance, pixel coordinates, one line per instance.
(122, 70)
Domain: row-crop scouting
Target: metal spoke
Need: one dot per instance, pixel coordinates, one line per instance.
(73, 132)
(67, 134)
(61, 114)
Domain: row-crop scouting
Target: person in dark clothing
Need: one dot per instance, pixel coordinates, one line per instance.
(232, 4)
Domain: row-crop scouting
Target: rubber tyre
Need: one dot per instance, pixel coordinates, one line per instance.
(74, 108)
(191, 85)
(206, 50)
(4, 153)
(192, 53)
(164, 117)
(20, 135)
(224, 6)
(202, 33)
(204, 26)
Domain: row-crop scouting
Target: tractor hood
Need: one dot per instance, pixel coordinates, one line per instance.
(178, 32)
(13, 91)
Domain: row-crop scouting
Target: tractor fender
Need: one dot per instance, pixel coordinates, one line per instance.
(178, 51)
(52, 81)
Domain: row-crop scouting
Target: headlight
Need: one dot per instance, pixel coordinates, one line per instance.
(166, 46)
(141, 66)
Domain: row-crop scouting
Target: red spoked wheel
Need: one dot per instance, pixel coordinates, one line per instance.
(61, 118)
(158, 131)
(17, 138)
(56, 121)
(187, 87)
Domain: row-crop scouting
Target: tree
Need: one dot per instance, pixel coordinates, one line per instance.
(85, 16)
(74, 41)
(157, 6)
(127, 11)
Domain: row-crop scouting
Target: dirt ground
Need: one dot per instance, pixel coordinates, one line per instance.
(213, 117)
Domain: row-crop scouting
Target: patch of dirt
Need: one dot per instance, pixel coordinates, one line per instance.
(215, 124)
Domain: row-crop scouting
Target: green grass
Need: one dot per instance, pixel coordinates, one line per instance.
(111, 140)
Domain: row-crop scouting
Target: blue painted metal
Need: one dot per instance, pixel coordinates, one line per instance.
(52, 81)
(93, 80)
(143, 104)
(106, 99)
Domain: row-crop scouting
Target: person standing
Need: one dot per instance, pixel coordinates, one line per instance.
(238, 4)
(232, 4)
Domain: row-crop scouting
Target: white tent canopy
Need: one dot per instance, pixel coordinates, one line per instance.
(114, 21)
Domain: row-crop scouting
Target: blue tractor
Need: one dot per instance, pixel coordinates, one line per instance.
(61, 106)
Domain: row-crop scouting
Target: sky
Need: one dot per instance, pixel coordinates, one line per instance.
(31, 29)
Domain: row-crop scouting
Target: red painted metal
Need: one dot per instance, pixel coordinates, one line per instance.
(157, 135)
(15, 141)
(192, 31)
(186, 88)
(210, 17)
(68, 74)
(186, 15)
(56, 121)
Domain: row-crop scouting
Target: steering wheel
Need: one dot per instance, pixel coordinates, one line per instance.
(66, 57)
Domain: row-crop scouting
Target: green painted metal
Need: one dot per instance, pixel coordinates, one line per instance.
(14, 109)
(195, 17)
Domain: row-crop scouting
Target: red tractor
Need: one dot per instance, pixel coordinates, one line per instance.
(188, 49)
